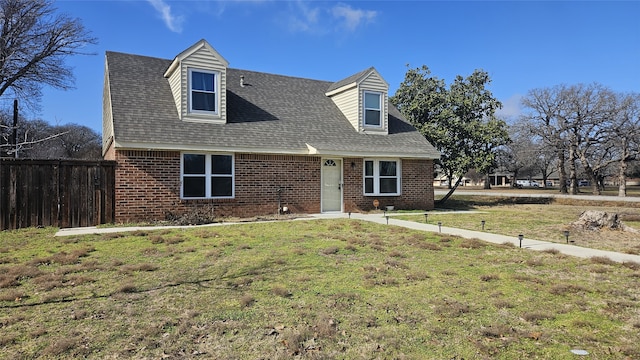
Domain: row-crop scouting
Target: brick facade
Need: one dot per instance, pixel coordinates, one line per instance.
(148, 186)
(417, 187)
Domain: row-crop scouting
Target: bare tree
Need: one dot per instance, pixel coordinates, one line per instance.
(40, 140)
(34, 42)
(588, 117)
(514, 157)
(624, 136)
(544, 115)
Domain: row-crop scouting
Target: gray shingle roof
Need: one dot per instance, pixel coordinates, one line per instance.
(353, 78)
(272, 113)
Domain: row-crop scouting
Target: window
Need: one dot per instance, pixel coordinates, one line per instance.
(207, 176)
(382, 177)
(372, 109)
(203, 96)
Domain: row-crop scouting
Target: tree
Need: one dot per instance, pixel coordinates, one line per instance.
(589, 117)
(586, 123)
(459, 121)
(543, 109)
(493, 135)
(34, 43)
(527, 155)
(39, 140)
(625, 136)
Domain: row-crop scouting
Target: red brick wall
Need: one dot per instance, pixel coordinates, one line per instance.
(148, 186)
(417, 187)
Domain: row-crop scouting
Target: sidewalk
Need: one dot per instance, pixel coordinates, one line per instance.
(531, 244)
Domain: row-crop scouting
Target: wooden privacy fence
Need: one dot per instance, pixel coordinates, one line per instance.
(62, 193)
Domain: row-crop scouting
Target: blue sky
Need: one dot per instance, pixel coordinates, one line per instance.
(522, 44)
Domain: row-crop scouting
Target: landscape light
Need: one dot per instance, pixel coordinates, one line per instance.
(439, 226)
(520, 237)
(566, 235)
(482, 222)
(425, 217)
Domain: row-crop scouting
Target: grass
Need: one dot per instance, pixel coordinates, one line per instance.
(541, 219)
(318, 289)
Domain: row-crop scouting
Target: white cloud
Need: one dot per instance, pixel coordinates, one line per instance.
(511, 107)
(173, 22)
(306, 16)
(352, 18)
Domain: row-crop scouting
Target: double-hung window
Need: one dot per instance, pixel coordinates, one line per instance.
(206, 176)
(203, 92)
(372, 109)
(382, 177)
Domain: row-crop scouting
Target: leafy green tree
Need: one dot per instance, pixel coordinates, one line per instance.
(459, 120)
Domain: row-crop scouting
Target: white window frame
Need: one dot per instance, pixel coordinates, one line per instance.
(376, 177)
(365, 108)
(216, 91)
(208, 175)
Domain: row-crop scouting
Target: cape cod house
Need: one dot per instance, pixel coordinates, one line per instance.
(193, 133)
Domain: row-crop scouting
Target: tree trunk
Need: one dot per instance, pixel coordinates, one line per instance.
(448, 195)
(573, 185)
(562, 172)
(449, 181)
(622, 178)
(487, 182)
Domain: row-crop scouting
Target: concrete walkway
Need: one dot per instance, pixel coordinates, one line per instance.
(531, 244)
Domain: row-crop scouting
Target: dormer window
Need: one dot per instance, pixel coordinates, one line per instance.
(203, 92)
(372, 109)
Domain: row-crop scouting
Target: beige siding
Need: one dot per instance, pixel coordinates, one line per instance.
(174, 83)
(205, 60)
(107, 114)
(347, 102)
(374, 82)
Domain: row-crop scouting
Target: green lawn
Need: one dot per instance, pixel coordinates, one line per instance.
(318, 289)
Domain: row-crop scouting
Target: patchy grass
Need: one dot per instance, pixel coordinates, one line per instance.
(318, 289)
(541, 221)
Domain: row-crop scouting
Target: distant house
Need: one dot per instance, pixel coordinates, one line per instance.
(192, 133)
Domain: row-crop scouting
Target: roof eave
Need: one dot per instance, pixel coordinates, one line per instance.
(373, 154)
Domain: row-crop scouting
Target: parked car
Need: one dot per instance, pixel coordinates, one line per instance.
(527, 183)
(549, 183)
(584, 183)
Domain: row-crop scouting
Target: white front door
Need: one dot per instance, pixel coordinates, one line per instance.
(331, 185)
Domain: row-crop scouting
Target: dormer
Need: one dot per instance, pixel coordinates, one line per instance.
(363, 99)
(198, 78)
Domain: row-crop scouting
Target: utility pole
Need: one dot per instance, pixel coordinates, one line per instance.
(15, 127)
